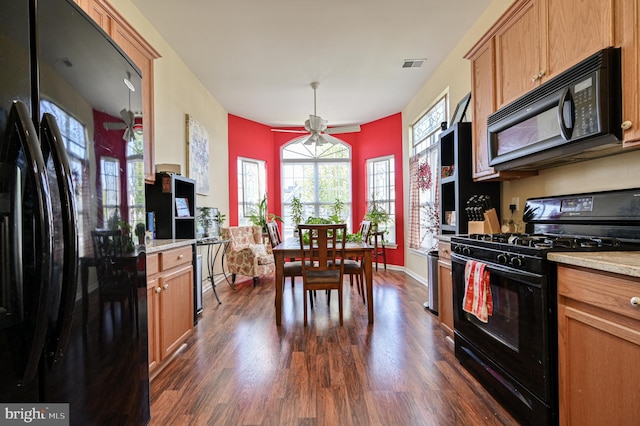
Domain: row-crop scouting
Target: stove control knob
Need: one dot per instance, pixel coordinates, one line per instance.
(457, 249)
(502, 258)
(516, 261)
(466, 251)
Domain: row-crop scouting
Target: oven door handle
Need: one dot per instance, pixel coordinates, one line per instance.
(515, 274)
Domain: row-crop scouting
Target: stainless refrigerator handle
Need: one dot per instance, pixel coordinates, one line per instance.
(53, 146)
(26, 151)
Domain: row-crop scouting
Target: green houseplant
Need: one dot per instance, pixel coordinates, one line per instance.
(260, 217)
(377, 216)
(205, 219)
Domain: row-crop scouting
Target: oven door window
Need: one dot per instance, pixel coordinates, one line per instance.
(503, 324)
(516, 336)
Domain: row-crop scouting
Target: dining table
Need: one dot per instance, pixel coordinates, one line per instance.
(290, 249)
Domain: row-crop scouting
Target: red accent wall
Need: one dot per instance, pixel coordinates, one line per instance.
(109, 143)
(377, 138)
(253, 140)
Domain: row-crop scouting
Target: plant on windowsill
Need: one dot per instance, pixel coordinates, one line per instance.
(377, 216)
(297, 212)
(140, 231)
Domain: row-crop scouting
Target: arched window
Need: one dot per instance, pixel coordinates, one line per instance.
(320, 176)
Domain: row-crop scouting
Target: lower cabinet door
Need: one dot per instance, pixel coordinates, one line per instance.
(176, 309)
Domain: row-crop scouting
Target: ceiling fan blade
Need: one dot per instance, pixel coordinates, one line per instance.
(324, 139)
(289, 131)
(343, 129)
(127, 116)
(109, 125)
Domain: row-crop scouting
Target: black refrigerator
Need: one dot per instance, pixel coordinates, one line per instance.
(73, 307)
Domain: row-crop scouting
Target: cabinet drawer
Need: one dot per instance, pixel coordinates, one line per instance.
(444, 250)
(153, 264)
(603, 290)
(175, 257)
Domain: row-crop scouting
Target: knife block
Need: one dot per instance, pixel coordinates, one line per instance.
(490, 224)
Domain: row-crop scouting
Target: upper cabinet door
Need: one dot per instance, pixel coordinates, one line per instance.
(576, 29)
(519, 66)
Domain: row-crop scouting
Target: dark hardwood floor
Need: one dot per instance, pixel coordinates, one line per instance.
(238, 368)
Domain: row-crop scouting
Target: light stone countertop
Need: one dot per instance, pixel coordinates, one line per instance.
(444, 237)
(619, 262)
(160, 245)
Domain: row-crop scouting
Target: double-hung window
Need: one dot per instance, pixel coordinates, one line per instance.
(381, 192)
(424, 167)
(252, 188)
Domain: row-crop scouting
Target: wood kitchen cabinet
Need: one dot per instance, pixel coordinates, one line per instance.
(627, 14)
(535, 40)
(142, 54)
(169, 302)
(598, 347)
(445, 287)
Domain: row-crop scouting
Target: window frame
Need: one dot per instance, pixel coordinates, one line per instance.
(247, 208)
(387, 203)
(424, 144)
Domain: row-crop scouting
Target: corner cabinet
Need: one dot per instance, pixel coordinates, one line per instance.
(142, 54)
(456, 181)
(170, 303)
(162, 198)
(598, 347)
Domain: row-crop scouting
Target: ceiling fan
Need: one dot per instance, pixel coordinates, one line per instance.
(128, 117)
(319, 133)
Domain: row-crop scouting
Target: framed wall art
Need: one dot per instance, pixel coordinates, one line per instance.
(197, 155)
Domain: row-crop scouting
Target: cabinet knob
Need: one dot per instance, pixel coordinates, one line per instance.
(181, 256)
(158, 289)
(626, 125)
(635, 301)
(166, 286)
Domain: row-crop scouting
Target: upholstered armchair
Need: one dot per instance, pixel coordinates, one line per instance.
(247, 253)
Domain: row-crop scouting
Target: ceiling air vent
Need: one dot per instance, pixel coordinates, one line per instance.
(413, 63)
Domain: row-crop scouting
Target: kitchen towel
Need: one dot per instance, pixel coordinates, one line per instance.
(477, 291)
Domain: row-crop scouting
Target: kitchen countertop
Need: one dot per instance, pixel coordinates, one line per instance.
(619, 262)
(444, 237)
(160, 245)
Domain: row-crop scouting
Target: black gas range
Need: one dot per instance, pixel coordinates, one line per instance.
(514, 353)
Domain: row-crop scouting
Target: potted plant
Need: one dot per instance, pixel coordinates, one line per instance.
(205, 219)
(140, 230)
(297, 212)
(260, 217)
(336, 211)
(377, 216)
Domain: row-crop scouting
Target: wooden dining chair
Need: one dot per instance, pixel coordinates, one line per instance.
(115, 273)
(291, 268)
(322, 248)
(353, 266)
(379, 248)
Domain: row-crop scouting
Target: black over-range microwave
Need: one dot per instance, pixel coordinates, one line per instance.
(573, 117)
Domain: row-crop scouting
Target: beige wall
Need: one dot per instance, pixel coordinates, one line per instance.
(454, 77)
(178, 92)
(616, 172)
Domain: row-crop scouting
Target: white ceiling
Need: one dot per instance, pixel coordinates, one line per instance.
(258, 57)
